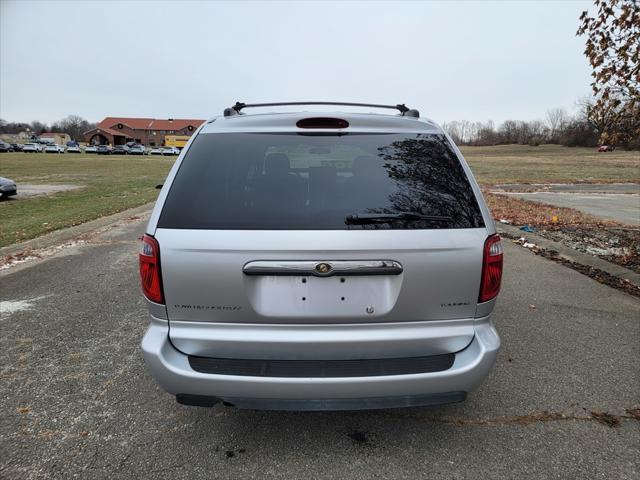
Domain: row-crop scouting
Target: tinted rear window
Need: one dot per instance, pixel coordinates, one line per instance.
(290, 181)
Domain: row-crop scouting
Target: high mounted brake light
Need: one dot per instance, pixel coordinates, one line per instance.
(322, 122)
(150, 269)
(491, 269)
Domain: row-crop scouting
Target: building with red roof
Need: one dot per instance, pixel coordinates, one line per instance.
(145, 131)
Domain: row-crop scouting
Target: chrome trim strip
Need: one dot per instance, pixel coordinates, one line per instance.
(318, 268)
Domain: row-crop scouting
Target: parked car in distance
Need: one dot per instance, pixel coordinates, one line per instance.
(73, 149)
(103, 150)
(31, 148)
(16, 147)
(155, 151)
(52, 149)
(4, 147)
(119, 150)
(170, 151)
(7, 188)
(90, 149)
(606, 148)
(136, 150)
(320, 261)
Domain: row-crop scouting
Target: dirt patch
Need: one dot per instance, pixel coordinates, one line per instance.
(31, 190)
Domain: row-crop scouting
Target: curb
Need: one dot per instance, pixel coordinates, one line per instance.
(572, 255)
(66, 234)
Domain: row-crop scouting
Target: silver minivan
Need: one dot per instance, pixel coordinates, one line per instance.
(320, 261)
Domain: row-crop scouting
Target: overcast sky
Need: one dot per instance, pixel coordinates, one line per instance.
(471, 60)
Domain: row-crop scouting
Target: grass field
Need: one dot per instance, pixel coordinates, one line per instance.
(115, 183)
(110, 184)
(551, 164)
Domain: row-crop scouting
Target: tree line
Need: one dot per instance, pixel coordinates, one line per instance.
(74, 125)
(558, 126)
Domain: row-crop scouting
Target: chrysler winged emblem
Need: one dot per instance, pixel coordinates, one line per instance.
(323, 268)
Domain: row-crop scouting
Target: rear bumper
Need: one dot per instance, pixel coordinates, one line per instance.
(172, 370)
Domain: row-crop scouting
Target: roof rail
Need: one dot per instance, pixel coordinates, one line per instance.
(404, 110)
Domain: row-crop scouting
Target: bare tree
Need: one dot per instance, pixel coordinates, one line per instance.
(508, 131)
(452, 128)
(74, 125)
(556, 120)
(38, 127)
(464, 130)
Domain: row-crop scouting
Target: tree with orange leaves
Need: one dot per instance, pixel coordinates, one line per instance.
(613, 50)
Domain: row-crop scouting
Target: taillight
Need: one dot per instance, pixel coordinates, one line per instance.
(150, 269)
(491, 269)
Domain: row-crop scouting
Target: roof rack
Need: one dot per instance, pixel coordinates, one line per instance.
(404, 110)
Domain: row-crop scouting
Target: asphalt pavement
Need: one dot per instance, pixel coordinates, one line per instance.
(77, 401)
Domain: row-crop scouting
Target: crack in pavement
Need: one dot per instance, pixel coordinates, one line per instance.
(544, 416)
(603, 418)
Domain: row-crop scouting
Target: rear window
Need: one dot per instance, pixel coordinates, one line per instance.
(292, 181)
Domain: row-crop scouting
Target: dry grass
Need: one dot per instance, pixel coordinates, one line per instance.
(110, 184)
(551, 164)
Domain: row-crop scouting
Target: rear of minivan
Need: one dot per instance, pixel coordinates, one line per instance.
(303, 262)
